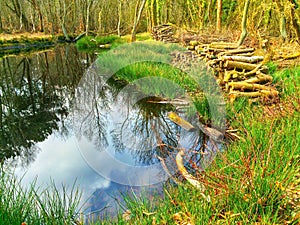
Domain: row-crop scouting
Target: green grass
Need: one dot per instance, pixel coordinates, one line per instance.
(111, 41)
(253, 181)
(148, 64)
(90, 42)
(35, 205)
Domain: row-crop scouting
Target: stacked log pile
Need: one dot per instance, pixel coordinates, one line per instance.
(238, 69)
(165, 33)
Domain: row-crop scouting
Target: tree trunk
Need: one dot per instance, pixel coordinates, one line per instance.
(153, 7)
(1, 25)
(282, 25)
(244, 23)
(137, 19)
(63, 17)
(87, 19)
(294, 20)
(207, 18)
(18, 11)
(100, 22)
(40, 15)
(219, 15)
(88, 9)
(120, 18)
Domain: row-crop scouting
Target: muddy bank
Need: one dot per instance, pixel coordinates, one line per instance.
(25, 42)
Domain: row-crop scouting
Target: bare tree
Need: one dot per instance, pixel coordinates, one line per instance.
(244, 23)
(17, 8)
(219, 15)
(138, 14)
(295, 19)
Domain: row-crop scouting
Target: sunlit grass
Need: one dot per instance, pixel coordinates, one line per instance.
(36, 205)
(111, 41)
(255, 181)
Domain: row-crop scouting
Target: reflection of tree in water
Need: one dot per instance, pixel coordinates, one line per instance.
(148, 128)
(148, 131)
(26, 115)
(34, 93)
(106, 117)
(90, 106)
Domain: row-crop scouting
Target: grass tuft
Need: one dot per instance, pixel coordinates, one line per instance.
(34, 205)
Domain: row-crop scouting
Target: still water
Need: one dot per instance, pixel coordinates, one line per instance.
(107, 145)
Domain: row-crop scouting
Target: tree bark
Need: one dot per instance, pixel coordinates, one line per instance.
(120, 18)
(242, 85)
(294, 19)
(153, 6)
(18, 11)
(137, 19)
(219, 15)
(1, 25)
(239, 65)
(282, 25)
(62, 21)
(208, 12)
(251, 59)
(244, 23)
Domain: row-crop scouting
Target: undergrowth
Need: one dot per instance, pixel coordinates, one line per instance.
(35, 205)
(255, 180)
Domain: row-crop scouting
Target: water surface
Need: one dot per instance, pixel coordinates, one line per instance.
(50, 134)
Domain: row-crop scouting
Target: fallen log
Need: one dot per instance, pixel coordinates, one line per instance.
(231, 74)
(212, 133)
(239, 65)
(181, 122)
(176, 102)
(252, 59)
(237, 51)
(223, 45)
(287, 57)
(260, 78)
(263, 93)
(192, 180)
(249, 86)
(194, 43)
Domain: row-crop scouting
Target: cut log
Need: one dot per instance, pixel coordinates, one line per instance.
(237, 51)
(239, 65)
(223, 45)
(213, 133)
(230, 74)
(194, 43)
(252, 59)
(105, 46)
(181, 122)
(260, 78)
(287, 57)
(176, 102)
(246, 54)
(191, 47)
(192, 180)
(263, 93)
(249, 86)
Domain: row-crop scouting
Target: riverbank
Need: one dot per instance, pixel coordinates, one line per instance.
(27, 42)
(254, 181)
(24, 42)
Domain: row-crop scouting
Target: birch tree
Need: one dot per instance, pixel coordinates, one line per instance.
(138, 13)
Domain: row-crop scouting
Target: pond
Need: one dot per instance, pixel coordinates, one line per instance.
(107, 145)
